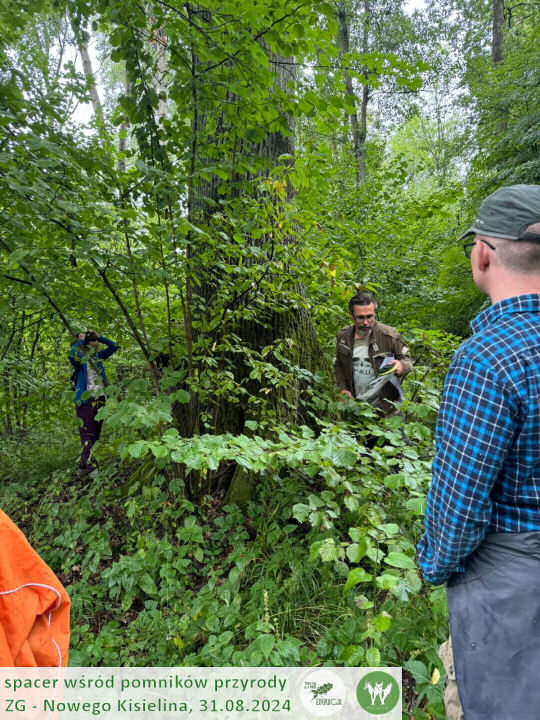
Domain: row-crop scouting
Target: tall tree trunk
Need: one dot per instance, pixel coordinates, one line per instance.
(161, 77)
(366, 90)
(88, 71)
(362, 135)
(122, 135)
(497, 55)
(294, 325)
(497, 43)
(357, 140)
(122, 144)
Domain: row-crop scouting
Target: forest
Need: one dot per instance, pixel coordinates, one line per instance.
(207, 184)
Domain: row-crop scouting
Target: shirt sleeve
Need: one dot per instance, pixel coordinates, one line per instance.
(475, 427)
(111, 348)
(401, 353)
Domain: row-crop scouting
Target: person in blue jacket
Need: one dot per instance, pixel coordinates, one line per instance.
(90, 381)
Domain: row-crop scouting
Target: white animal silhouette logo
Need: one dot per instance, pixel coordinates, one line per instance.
(378, 691)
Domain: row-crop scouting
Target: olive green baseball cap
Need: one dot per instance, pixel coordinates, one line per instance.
(507, 213)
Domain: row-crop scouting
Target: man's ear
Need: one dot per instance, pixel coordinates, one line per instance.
(483, 256)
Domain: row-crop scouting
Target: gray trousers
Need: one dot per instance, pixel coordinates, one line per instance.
(494, 612)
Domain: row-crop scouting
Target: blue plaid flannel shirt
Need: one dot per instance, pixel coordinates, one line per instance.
(486, 472)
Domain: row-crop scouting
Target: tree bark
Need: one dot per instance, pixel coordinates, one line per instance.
(358, 136)
(89, 75)
(497, 54)
(497, 44)
(294, 325)
(161, 78)
(122, 135)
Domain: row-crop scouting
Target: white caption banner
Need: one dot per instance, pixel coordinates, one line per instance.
(200, 693)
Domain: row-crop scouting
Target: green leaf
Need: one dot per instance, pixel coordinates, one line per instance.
(418, 670)
(381, 622)
(301, 511)
(159, 451)
(147, 585)
(417, 505)
(181, 396)
(400, 560)
(344, 458)
(352, 655)
(328, 550)
(402, 590)
(387, 581)
(266, 644)
(138, 449)
(373, 657)
(437, 598)
(389, 529)
(356, 551)
(314, 549)
(356, 576)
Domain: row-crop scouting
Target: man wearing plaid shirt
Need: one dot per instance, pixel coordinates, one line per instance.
(483, 508)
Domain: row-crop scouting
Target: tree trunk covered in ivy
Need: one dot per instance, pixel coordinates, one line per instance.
(256, 318)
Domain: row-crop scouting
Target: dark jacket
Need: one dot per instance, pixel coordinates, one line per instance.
(384, 342)
(76, 356)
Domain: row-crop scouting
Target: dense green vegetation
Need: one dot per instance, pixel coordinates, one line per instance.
(241, 170)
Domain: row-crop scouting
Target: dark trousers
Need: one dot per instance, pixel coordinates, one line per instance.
(90, 430)
(495, 627)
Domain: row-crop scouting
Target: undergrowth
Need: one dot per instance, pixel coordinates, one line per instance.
(320, 570)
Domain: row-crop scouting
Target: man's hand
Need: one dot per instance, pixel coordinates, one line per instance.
(399, 367)
(346, 393)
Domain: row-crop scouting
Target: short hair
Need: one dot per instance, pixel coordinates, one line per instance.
(362, 298)
(520, 256)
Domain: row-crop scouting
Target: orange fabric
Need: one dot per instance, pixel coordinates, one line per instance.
(34, 607)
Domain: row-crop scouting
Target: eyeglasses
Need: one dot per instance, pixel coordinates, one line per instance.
(467, 247)
(364, 317)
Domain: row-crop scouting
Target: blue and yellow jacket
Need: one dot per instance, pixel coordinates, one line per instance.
(76, 355)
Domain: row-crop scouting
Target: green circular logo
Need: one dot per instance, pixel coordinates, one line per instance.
(377, 693)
